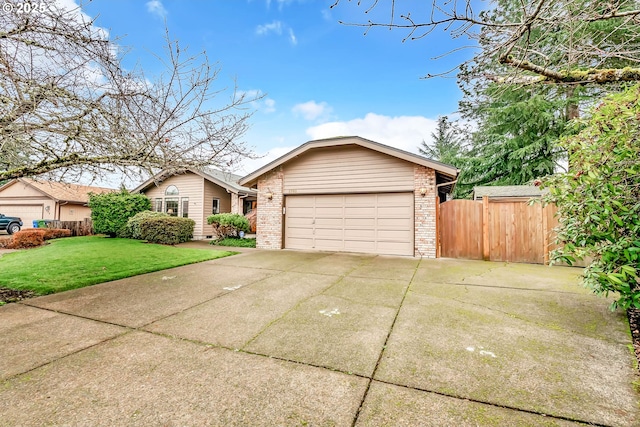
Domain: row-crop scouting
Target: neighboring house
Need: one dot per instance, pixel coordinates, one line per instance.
(350, 194)
(197, 194)
(32, 199)
(510, 192)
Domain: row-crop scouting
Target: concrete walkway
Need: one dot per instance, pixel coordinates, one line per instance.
(320, 339)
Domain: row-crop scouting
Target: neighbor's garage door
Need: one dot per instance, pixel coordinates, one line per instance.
(373, 223)
(27, 213)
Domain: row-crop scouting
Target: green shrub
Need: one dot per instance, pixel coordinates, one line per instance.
(168, 230)
(111, 211)
(228, 224)
(132, 229)
(598, 199)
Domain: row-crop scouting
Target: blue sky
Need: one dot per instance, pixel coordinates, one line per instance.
(320, 78)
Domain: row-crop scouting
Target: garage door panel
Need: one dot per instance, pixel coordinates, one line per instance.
(332, 233)
(360, 199)
(367, 234)
(395, 223)
(374, 223)
(360, 222)
(359, 212)
(27, 213)
(395, 235)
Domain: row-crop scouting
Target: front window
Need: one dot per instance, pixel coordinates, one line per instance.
(171, 206)
(185, 207)
(216, 206)
(158, 205)
(171, 190)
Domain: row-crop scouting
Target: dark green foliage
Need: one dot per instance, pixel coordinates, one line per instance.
(515, 142)
(111, 211)
(228, 224)
(599, 198)
(132, 230)
(234, 241)
(168, 230)
(446, 145)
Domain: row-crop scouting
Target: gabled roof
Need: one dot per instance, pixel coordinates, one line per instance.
(443, 169)
(61, 191)
(495, 191)
(226, 180)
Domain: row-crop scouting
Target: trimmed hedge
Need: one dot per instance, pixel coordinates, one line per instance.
(228, 224)
(167, 231)
(111, 211)
(133, 230)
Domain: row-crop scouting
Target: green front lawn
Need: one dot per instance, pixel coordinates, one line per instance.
(75, 262)
(234, 241)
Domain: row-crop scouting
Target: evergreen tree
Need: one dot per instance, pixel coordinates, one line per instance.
(446, 146)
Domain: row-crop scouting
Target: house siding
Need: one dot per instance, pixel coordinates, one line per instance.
(212, 191)
(74, 212)
(346, 169)
(189, 185)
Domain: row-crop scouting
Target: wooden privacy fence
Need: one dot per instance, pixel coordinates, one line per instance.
(496, 230)
(78, 228)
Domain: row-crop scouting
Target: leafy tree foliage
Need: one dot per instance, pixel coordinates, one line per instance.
(67, 105)
(515, 142)
(598, 200)
(111, 211)
(446, 145)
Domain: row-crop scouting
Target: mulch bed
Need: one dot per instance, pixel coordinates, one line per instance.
(11, 295)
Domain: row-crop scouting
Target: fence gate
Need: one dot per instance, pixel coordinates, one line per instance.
(496, 230)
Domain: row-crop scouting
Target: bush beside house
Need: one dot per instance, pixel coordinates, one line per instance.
(228, 225)
(167, 230)
(111, 211)
(133, 227)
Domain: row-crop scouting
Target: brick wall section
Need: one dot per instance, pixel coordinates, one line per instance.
(235, 203)
(269, 218)
(425, 211)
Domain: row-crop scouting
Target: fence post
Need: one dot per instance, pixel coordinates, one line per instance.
(437, 226)
(486, 254)
(545, 236)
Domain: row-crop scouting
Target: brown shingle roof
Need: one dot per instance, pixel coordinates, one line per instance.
(65, 192)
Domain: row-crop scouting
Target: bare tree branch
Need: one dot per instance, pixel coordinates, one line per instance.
(522, 42)
(67, 104)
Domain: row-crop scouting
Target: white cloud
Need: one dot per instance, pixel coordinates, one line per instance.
(403, 132)
(312, 110)
(251, 165)
(292, 37)
(274, 27)
(155, 7)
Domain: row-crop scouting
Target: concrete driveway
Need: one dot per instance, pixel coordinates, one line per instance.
(320, 339)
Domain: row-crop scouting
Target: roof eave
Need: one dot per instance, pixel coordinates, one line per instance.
(252, 178)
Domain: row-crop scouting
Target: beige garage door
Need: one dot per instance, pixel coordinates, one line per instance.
(373, 223)
(27, 213)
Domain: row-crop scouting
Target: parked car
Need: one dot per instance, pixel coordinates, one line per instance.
(11, 224)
